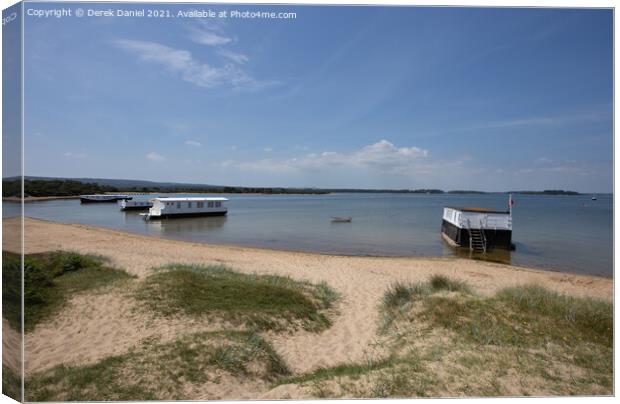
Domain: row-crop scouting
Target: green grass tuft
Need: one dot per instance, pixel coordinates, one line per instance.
(160, 371)
(11, 384)
(546, 341)
(440, 282)
(261, 302)
(50, 279)
(353, 370)
(584, 318)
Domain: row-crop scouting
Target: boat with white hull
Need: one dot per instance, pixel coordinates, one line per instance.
(478, 229)
(135, 205)
(103, 198)
(186, 207)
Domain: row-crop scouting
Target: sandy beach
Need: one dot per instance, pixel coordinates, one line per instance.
(99, 325)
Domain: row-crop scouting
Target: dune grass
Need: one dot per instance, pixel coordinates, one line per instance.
(11, 384)
(50, 279)
(162, 371)
(442, 339)
(260, 302)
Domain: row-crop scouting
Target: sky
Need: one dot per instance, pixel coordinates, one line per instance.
(356, 97)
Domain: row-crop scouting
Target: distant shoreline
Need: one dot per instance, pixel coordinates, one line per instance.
(47, 186)
(28, 199)
(16, 199)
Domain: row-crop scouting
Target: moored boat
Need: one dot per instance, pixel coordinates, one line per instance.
(341, 219)
(102, 198)
(186, 207)
(135, 205)
(478, 229)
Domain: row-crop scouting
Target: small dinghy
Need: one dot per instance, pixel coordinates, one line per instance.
(341, 219)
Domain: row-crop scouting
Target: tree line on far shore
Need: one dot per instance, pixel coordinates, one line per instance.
(42, 188)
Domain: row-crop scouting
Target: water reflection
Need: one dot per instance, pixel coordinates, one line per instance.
(187, 226)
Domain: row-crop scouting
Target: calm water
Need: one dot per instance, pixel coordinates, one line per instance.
(564, 233)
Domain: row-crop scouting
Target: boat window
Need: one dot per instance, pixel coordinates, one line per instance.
(210, 204)
(178, 205)
(218, 204)
(189, 204)
(201, 204)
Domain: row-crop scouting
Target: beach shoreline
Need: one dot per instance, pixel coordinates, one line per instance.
(262, 250)
(104, 324)
(461, 256)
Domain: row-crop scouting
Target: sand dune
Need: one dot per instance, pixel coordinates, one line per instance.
(105, 323)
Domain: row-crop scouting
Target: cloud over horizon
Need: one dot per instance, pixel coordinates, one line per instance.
(382, 156)
(193, 143)
(152, 156)
(182, 63)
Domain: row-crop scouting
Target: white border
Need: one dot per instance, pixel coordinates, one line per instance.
(465, 3)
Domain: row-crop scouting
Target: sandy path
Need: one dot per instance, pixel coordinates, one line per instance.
(97, 326)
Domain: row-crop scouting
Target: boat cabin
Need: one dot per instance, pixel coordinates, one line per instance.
(478, 229)
(185, 207)
(135, 205)
(101, 198)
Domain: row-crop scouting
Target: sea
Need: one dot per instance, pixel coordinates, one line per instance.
(571, 234)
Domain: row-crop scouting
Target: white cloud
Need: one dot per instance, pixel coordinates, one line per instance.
(382, 156)
(193, 143)
(182, 63)
(268, 149)
(177, 127)
(208, 38)
(75, 155)
(152, 156)
(234, 56)
(602, 114)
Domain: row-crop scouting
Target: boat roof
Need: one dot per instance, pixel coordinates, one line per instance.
(478, 210)
(84, 196)
(190, 199)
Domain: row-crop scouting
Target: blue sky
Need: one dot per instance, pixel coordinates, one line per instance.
(451, 98)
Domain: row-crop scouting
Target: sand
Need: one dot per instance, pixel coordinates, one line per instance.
(105, 323)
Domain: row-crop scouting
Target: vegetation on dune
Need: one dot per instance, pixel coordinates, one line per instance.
(163, 371)
(444, 340)
(438, 338)
(259, 302)
(11, 289)
(11, 384)
(50, 279)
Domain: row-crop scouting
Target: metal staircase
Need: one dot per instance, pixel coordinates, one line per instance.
(477, 241)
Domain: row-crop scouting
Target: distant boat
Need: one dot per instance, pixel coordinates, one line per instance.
(102, 198)
(594, 197)
(185, 207)
(341, 219)
(135, 205)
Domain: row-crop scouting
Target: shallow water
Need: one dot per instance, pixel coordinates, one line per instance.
(563, 233)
